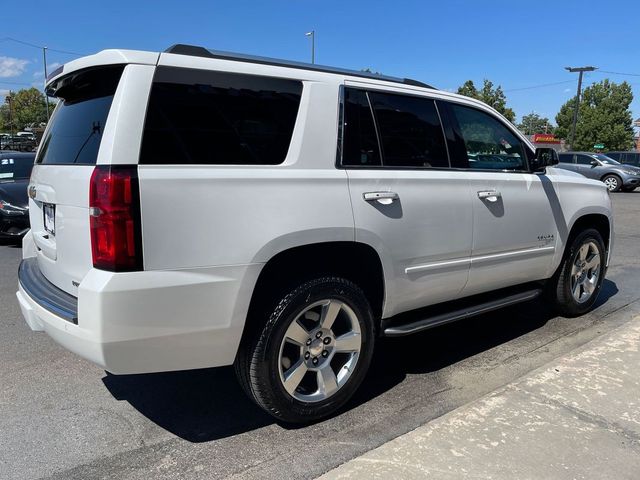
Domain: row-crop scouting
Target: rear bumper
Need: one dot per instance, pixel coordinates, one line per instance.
(152, 321)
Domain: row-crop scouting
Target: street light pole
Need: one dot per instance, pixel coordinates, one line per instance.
(46, 97)
(10, 102)
(581, 70)
(312, 34)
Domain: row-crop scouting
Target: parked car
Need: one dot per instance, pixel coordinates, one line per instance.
(30, 135)
(324, 208)
(15, 169)
(628, 158)
(615, 175)
(18, 143)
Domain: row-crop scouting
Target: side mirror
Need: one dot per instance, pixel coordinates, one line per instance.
(545, 157)
(594, 163)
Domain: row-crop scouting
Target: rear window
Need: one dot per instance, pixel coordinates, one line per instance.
(76, 127)
(219, 118)
(15, 167)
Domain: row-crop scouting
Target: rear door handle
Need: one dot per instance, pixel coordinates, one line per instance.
(384, 198)
(489, 195)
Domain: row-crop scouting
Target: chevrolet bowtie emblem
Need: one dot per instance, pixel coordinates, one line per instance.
(32, 191)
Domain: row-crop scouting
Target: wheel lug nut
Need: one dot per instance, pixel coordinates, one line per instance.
(307, 355)
(318, 335)
(315, 361)
(309, 342)
(325, 353)
(326, 340)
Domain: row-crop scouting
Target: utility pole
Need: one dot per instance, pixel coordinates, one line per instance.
(10, 102)
(46, 97)
(312, 34)
(581, 70)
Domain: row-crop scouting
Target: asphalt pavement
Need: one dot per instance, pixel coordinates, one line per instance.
(64, 418)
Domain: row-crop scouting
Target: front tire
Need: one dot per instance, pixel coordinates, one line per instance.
(613, 182)
(575, 287)
(312, 353)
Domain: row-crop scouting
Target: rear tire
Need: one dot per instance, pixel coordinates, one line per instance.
(312, 352)
(613, 182)
(574, 288)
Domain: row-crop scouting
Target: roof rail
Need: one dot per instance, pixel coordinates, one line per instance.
(182, 49)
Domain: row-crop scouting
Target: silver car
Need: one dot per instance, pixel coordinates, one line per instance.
(615, 175)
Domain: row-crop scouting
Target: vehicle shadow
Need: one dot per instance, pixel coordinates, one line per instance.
(196, 405)
(208, 404)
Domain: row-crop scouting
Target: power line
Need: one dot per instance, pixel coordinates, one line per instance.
(40, 47)
(619, 73)
(542, 85)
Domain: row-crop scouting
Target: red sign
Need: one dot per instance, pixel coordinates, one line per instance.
(545, 138)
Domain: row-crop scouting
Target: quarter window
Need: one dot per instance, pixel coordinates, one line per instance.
(205, 117)
(490, 145)
(565, 158)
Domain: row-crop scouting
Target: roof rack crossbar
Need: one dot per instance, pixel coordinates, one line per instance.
(182, 49)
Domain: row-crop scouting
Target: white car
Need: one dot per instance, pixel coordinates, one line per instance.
(195, 208)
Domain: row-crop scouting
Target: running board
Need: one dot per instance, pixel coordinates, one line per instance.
(469, 311)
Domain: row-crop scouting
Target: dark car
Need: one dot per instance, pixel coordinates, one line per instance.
(628, 158)
(15, 170)
(615, 175)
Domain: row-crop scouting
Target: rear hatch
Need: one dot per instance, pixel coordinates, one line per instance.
(59, 187)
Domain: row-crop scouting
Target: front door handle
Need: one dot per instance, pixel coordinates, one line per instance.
(489, 195)
(384, 198)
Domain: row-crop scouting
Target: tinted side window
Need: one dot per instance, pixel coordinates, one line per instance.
(584, 159)
(410, 131)
(566, 157)
(616, 156)
(360, 145)
(490, 145)
(205, 117)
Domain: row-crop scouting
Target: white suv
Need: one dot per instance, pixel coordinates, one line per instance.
(195, 208)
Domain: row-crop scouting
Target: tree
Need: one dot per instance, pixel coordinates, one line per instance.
(28, 108)
(534, 123)
(603, 117)
(494, 97)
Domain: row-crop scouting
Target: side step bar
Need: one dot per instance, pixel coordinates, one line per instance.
(469, 311)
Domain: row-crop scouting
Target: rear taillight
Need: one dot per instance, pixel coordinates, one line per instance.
(114, 208)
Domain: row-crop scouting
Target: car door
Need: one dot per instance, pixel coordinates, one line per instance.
(514, 232)
(407, 203)
(585, 165)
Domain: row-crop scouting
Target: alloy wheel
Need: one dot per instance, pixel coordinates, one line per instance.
(585, 272)
(320, 350)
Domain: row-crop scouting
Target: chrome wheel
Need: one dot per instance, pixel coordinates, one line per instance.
(611, 183)
(585, 272)
(320, 350)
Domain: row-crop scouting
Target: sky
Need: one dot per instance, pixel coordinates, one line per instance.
(522, 46)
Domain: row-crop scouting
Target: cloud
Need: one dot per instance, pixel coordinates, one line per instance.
(567, 90)
(12, 67)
